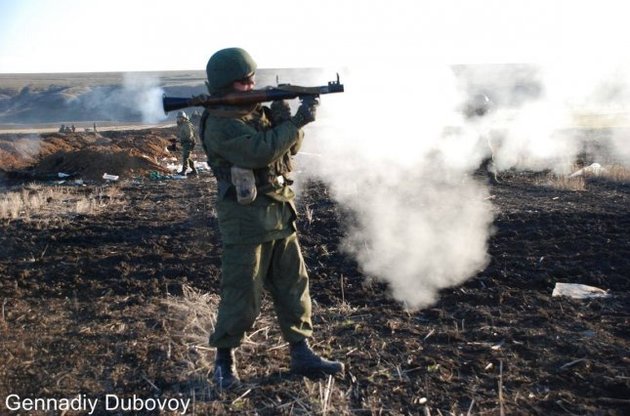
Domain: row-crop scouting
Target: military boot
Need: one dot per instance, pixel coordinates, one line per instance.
(305, 362)
(193, 172)
(225, 375)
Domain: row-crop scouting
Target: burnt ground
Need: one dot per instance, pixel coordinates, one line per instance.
(93, 306)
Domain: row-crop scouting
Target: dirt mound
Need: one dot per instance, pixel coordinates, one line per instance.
(92, 163)
(86, 155)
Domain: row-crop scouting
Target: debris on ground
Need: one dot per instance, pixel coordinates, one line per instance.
(579, 291)
(595, 169)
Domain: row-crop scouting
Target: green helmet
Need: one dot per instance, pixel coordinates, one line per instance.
(226, 66)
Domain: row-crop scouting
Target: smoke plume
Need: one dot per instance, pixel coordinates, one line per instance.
(578, 107)
(139, 97)
(144, 93)
(422, 222)
(403, 163)
(398, 150)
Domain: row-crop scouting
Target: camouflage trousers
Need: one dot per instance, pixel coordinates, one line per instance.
(278, 267)
(187, 162)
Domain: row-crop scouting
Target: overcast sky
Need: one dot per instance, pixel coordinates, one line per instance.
(117, 35)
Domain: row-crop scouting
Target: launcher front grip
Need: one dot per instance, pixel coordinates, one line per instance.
(281, 92)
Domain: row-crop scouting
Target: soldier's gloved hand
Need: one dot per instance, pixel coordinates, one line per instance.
(280, 111)
(306, 113)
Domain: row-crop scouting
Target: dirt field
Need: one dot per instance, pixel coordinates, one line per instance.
(120, 301)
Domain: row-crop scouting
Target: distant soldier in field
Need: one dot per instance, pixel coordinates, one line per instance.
(186, 134)
(475, 109)
(249, 149)
(62, 129)
(73, 128)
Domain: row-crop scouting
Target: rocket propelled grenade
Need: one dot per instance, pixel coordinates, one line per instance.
(281, 92)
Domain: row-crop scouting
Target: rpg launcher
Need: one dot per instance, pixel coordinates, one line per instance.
(281, 92)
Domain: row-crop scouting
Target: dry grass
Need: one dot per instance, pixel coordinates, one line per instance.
(190, 318)
(578, 180)
(45, 204)
(309, 214)
(617, 173)
(564, 183)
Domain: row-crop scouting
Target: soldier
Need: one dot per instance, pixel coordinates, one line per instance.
(186, 134)
(62, 129)
(474, 110)
(249, 149)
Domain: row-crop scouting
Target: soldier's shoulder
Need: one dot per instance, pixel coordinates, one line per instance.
(226, 123)
(218, 127)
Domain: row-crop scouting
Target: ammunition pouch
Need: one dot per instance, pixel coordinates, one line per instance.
(245, 184)
(263, 180)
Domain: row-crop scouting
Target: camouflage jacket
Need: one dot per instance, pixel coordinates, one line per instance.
(186, 133)
(250, 141)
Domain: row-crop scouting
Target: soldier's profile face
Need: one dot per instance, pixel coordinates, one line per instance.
(246, 84)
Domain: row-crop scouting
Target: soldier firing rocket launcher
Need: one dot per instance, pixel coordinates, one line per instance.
(281, 92)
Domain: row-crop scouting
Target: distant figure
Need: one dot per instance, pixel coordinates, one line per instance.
(73, 128)
(475, 109)
(62, 129)
(186, 134)
(94, 127)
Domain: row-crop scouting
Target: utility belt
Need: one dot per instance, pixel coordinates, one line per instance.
(243, 185)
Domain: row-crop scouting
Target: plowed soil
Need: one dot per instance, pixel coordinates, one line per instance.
(121, 302)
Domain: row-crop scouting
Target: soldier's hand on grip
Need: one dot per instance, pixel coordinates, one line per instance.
(307, 112)
(280, 111)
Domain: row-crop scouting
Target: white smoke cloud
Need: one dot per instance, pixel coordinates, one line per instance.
(143, 92)
(138, 97)
(396, 150)
(401, 164)
(597, 94)
(581, 106)
(533, 138)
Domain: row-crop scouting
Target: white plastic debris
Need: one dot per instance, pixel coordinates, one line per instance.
(109, 177)
(174, 167)
(594, 169)
(62, 175)
(578, 291)
(202, 166)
